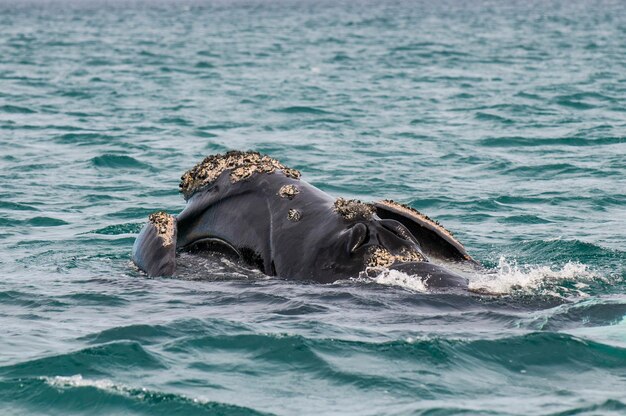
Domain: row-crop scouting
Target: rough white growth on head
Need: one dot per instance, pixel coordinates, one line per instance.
(241, 165)
(381, 257)
(288, 191)
(353, 209)
(294, 215)
(164, 224)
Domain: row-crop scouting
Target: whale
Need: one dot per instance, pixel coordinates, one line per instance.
(250, 207)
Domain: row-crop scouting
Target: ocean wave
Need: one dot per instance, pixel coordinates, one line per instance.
(117, 229)
(319, 355)
(178, 329)
(122, 356)
(301, 110)
(552, 169)
(29, 300)
(76, 394)
(524, 219)
(15, 109)
(541, 350)
(85, 138)
(523, 141)
(559, 250)
(38, 221)
(111, 161)
(592, 312)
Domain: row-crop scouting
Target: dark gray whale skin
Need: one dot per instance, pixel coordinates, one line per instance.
(302, 237)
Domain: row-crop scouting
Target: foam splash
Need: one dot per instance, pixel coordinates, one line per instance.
(78, 381)
(389, 277)
(508, 278)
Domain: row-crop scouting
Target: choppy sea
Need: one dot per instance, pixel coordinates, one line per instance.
(505, 121)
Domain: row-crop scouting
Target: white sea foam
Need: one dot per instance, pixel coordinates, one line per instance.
(78, 381)
(509, 277)
(397, 278)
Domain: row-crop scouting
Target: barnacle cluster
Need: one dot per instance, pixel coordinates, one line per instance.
(380, 257)
(164, 224)
(353, 209)
(288, 191)
(294, 215)
(242, 165)
(407, 256)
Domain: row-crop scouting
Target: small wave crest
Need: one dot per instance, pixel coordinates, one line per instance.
(151, 400)
(78, 381)
(110, 161)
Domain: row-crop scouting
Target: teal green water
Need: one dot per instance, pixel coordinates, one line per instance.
(506, 122)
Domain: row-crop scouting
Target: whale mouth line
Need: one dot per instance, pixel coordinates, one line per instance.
(212, 244)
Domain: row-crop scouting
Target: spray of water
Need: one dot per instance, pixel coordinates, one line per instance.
(507, 278)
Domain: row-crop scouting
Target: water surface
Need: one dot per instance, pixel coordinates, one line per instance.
(506, 122)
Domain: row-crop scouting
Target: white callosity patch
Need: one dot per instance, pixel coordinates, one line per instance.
(381, 257)
(78, 381)
(164, 224)
(288, 191)
(241, 165)
(294, 215)
(353, 209)
(510, 278)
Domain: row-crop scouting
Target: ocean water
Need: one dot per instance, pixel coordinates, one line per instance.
(505, 121)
